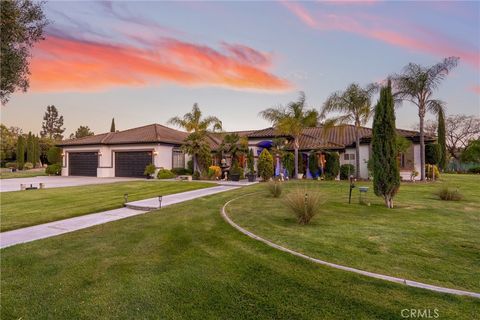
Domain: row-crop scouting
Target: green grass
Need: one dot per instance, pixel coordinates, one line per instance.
(185, 262)
(423, 238)
(23, 174)
(27, 208)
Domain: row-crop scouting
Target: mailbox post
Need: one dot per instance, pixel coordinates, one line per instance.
(160, 202)
(352, 186)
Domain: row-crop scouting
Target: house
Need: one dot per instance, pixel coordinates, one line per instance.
(127, 153)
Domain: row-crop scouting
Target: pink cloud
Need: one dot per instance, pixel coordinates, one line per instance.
(62, 64)
(475, 89)
(410, 37)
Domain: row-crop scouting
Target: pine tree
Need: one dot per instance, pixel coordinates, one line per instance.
(30, 148)
(112, 126)
(442, 141)
(386, 175)
(265, 165)
(20, 152)
(52, 124)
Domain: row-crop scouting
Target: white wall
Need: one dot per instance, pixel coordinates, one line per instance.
(416, 159)
(162, 156)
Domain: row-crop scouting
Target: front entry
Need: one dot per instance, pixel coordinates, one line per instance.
(132, 164)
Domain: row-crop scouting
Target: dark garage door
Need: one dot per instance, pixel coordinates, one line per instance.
(82, 164)
(132, 164)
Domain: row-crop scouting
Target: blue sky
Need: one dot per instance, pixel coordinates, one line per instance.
(144, 62)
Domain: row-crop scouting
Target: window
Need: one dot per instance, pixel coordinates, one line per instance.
(178, 160)
(349, 156)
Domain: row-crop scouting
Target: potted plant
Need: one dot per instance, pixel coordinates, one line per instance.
(149, 171)
(251, 166)
(235, 171)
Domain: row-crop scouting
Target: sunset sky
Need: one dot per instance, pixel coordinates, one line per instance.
(144, 62)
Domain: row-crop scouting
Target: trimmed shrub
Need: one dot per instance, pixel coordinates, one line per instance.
(313, 165)
(474, 170)
(165, 174)
(303, 205)
(265, 165)
(20, 153)
(54, 155)
(332, 165)
(251, 162)
(346, 170)
(190, 166)
(54, 169)
(433, 153)
(11, 165)
(28, 166)
(288, 161)
(449, 194)
(149, 169)
(275, 188)
(196, 175)
(181, 171)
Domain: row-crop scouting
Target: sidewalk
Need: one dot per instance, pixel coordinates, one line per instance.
(55, 228)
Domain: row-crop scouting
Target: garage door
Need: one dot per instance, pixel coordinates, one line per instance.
(82, 164)
(132, 164)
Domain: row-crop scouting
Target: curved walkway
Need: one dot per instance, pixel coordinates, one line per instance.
(409, 283)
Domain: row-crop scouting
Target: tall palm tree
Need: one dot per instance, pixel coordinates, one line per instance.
(355, 106)
(234, 145)
(198, 127)
(416, 85)
(291, 120)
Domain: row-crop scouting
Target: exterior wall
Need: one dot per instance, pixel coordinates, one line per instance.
(416, 157)
(364, 156)
(162, 156)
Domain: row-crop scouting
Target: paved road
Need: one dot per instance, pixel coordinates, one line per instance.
(56, 182)
(55, 228)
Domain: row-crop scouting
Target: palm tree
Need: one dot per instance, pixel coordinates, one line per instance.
(416, 85)
(355, 106)
(234, 145)
(198, 127)
(291, 120)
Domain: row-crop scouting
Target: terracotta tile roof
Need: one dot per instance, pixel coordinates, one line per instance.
(153, 133)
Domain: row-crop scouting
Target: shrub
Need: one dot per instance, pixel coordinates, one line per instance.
(149, 169)
(432, 172)
(190, 166)
(346, 170)
(181, 171)
(54, 169)
(332, 165)
(251, 162)
(288, 161)
(313, 165)
(433, 153)
(303, 205)
(265, 165)
(214, 172)
(449, 194)
(275, 188)
(474, 170)
(54, 155)
(165, 174)
(28, 166)
(196, 175)
(11, 165)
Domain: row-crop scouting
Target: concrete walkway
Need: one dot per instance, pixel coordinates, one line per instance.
(55, 228)
(406, 282)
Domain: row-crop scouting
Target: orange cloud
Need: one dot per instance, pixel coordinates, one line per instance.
(373, 27)
(62, 64)
(475, 89)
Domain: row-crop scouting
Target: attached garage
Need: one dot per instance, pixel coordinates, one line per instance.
(83, 164)
(132, 164)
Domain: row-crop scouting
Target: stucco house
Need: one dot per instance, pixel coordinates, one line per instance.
(127, 153)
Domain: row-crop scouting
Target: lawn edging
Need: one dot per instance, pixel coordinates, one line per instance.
(407, 282)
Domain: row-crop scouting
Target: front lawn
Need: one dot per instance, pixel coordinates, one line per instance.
(185, 262)
(23, 173)
(423, 238)
(27, 208)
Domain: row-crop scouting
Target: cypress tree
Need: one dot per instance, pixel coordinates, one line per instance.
(442, 141)
(20, 152)
(386, 175)
(36, 151)
(112, 126)
(30, 148)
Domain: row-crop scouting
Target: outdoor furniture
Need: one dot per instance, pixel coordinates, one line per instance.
(185, 178)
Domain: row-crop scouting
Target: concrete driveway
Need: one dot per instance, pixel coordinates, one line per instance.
(56, 182)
